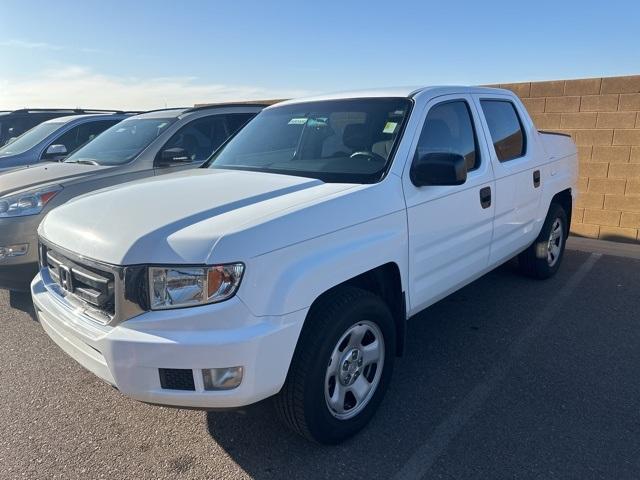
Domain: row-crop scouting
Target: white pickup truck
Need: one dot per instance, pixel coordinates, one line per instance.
(289, 264)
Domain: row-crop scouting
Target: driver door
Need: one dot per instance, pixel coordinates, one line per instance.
(450, 227)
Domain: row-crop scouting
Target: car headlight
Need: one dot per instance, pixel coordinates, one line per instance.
(174, 287)
(30, 202)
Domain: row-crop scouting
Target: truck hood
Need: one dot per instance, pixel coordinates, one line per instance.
(24, 178)
(176, 218)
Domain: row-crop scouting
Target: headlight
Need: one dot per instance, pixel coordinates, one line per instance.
(30, 202)
(175, 287)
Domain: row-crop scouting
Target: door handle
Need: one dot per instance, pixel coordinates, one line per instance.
(485, 197)
(536, 178)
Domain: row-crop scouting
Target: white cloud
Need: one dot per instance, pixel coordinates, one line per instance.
(16, 43)
(79, 87)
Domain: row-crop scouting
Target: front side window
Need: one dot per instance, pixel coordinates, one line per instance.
(29, 139)
(123, 142)
(201, 137)
(348, 141)
(505, 128)
(81, 134)
(89, 131)
(448, 128)
(69, 139)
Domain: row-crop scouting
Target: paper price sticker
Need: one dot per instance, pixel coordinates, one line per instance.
(297, 121)
(390, 127)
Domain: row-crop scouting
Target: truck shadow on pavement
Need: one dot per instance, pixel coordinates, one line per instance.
(22, 301)
(450, 348)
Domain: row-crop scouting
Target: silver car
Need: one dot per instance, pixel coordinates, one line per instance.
(144, 145)
(54, 139)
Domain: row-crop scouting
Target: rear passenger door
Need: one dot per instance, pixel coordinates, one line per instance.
(450, 227)
(517, 177)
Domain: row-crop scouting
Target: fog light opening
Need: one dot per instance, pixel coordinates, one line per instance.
(18, 250)
(222, 378)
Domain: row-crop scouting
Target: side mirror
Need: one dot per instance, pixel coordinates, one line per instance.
(174, 155)
(439, 169)
(55, 151)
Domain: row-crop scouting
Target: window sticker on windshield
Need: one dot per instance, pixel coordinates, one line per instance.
(390, 127)
(317, 122)
(297, 121)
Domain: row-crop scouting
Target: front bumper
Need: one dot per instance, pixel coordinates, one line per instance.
(221, 335)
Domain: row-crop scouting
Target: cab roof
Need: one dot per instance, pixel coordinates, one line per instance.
(395, 92)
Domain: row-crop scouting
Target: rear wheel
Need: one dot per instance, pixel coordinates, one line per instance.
(542, 259)
(341, 367)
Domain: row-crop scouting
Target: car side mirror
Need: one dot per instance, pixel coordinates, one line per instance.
(174, 155)
(439, 169)
(55, 151)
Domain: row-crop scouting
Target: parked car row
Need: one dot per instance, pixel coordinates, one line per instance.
(133, 147)
(287, 265)
(14, 123)
(54, 139)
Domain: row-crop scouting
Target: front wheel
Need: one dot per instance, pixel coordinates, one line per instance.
(341, 367)
(542, 259)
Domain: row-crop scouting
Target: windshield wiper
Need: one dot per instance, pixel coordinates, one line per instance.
(84, 162)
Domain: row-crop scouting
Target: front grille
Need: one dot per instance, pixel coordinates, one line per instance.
(87, 283)
(176, 379)
(107, 293)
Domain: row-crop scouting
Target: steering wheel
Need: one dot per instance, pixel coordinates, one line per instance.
(368, 154)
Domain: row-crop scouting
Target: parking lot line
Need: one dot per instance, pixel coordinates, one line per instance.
(425, 455)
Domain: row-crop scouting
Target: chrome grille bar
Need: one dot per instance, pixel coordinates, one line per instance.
(98, 287)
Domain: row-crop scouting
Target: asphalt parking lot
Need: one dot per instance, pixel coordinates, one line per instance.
(507, 378)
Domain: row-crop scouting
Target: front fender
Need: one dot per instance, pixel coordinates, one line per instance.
(290, 279)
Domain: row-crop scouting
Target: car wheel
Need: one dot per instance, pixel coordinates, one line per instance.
(542, 259)
(341, 367)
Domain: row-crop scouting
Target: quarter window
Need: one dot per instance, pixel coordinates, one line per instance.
(448, 128)
(505, 128)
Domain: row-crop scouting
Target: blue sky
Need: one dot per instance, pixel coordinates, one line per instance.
(144, 54)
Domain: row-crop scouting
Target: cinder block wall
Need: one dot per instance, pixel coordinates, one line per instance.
(603, 117)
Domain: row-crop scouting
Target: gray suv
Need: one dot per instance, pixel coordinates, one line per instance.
(144, 145)
(54, 139)
(14, 123)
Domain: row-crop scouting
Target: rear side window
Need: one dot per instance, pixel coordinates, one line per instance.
(448, 128)
(506, 129)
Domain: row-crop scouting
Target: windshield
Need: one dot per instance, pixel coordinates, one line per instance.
(121, 143)
(29, 139)
(348, 141)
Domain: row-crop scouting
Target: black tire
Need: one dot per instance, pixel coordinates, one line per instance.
(301, 403)
(534, 261)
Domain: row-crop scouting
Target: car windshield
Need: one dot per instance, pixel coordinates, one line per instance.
(29, 139)
(121, 143)
(348, 141)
